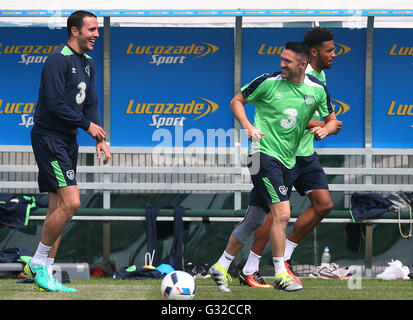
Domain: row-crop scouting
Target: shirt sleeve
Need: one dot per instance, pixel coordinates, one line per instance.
(254, 91)
(324, 107)
(54, 81)
(91, 107)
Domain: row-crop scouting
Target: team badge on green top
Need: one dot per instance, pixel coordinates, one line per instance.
(309, 100)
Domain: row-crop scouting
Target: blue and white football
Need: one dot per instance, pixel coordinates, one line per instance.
(178, 285)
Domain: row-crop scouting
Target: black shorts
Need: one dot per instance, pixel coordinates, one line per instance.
(272, 180)
(310, 175)
(56, 159)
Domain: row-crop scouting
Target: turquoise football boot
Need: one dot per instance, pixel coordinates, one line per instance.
(40, 276)
(61, 288)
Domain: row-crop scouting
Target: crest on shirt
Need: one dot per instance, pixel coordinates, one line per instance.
(283, 189)
(87, 69)
(278, 96)
(70, 174)
(309, 100)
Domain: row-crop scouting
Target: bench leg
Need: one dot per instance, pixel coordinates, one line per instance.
(106, 241)
(369, 251)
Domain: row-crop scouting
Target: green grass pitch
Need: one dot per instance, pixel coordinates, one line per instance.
(314, 289)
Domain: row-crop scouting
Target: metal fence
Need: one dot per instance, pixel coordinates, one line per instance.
(203, 170)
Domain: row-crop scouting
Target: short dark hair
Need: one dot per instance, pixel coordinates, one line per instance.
(316, 36)
(76, 20)
(298, 47)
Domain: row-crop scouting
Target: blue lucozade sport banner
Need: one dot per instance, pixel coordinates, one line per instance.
(345, 79)
(23, 52)
(392, 119)
(172, 87)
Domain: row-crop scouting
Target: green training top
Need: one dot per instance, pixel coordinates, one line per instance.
(306, 147)
(282, 111)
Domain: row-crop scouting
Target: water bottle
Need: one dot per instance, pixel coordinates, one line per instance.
(325, 257)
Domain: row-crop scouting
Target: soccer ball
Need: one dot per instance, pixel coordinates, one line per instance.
(178, 285)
